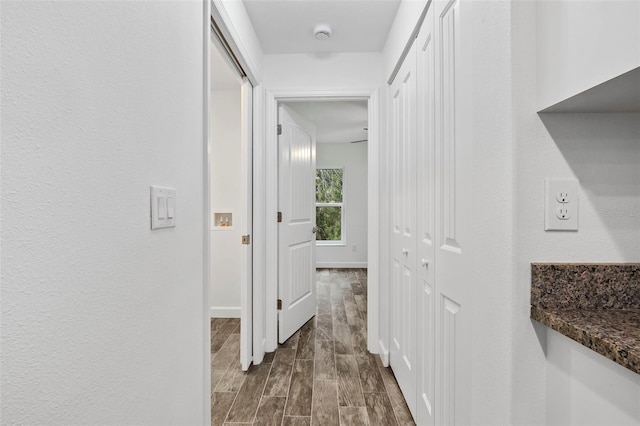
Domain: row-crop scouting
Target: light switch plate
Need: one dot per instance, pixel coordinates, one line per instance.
(561, 205)
(163, 201)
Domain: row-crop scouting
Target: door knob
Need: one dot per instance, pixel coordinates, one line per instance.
(405, 251)
(424, 262)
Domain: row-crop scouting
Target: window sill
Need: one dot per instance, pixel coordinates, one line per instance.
(330, 244)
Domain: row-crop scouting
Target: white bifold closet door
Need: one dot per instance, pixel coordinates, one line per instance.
(403, 330)
(454, 211)
(426, 223)
(431, 190)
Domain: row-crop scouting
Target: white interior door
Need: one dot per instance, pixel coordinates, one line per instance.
(296, 232)
(402, 352)
(246, 227)
(454, 214)
(426, 163)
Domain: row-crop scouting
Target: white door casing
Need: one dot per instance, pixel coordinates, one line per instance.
(402, 351)
(266, 202)
(246, 227)
(296, 232)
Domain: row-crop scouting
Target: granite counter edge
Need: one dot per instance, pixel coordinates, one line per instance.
(554, 320)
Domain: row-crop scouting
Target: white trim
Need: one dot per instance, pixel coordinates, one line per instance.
(374, 222)
(293, 95)
(270, 185)
(341, 265)
(330, 243)
(220, 312)
(223, 21)
(259, 232)
(206, 206)
(271, 243)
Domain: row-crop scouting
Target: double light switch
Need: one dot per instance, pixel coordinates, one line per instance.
(163, 207)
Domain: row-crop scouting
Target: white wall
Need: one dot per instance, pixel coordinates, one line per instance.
(226, 195)
(585, 388)
(102, 318)
(489, 42)
(584, 43)
(317, 73)
(353, 158)
(529, 337)
(603, 152)
(322, 71)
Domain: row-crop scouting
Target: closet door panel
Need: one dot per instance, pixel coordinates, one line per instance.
(402, 356)
(453, 183)
(425, 224)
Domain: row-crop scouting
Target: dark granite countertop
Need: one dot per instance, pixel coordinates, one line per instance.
(597, 305)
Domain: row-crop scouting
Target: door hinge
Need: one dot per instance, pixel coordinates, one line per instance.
(246, 239)
(279, 217)
(279, 129)
(279, 304)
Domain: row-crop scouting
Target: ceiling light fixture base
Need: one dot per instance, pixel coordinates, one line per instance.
(322, 32)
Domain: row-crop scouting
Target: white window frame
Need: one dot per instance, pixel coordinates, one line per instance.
(342, 240)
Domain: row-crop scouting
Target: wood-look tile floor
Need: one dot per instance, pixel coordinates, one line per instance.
(322, 375)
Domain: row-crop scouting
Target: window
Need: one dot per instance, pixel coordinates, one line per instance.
(329, 206)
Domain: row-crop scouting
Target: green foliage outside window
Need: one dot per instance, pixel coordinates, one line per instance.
(329, 222)
(329, 204)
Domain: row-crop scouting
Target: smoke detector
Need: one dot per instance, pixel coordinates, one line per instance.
(322, 32)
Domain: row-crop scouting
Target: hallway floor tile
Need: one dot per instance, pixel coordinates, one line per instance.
(323, 375)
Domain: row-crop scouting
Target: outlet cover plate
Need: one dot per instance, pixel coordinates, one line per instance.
(552, 219)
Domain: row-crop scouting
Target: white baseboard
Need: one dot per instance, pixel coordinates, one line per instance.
(340, 265)
(217, 312)
(384, 354)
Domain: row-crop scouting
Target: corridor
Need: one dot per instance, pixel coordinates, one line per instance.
(322, 375)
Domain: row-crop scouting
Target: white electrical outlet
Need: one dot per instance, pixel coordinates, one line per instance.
(562, 197)
(561, 205)
(563, 213)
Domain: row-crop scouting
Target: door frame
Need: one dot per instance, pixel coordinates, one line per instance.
(216, 11)
(266, 163)
(206, 209)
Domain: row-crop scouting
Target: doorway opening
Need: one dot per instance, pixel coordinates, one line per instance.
(341, 176)
(273, 101)
(230, 201)
(322, 200)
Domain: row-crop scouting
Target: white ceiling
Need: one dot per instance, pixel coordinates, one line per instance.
(336, 121)
(286, 26)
